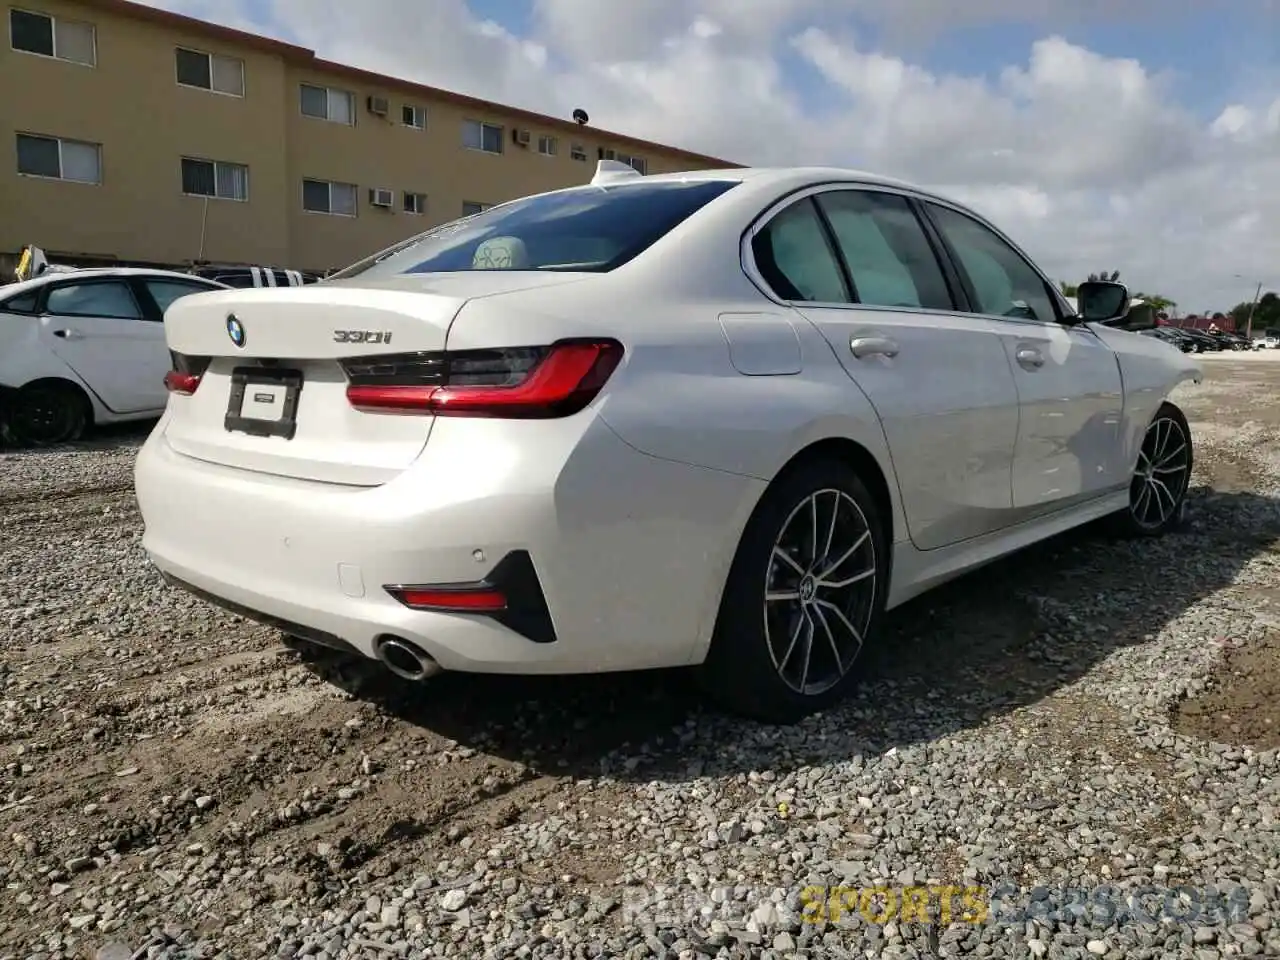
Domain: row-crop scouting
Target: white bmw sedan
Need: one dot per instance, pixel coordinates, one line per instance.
(720, 419)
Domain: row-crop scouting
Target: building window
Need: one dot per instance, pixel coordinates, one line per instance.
(470, 208)
(47, 36)
(482, 136)
(209, 72)
(322, 196)
(638, 164)
(547, 146)
(59, 159)
(213, 178)
(415, 117)
(326, 103)
(415, 202)
(578, 152)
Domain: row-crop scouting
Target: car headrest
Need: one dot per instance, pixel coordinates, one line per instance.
(501, 253)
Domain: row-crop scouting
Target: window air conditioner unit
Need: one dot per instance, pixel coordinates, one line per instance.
(381, 197)
(521, 137)
(379, 106)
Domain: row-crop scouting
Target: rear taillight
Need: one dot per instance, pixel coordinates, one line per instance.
(184, 377)
(520, 382)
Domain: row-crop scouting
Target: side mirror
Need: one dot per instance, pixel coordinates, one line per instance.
(1103, 301)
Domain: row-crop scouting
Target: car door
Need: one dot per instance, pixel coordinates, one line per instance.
(859, 265)
(1068, 380)
(95, 325)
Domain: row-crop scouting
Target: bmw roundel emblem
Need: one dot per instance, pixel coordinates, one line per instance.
(235, 330)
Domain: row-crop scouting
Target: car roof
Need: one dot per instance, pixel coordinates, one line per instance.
(784, 178)
(93, 272)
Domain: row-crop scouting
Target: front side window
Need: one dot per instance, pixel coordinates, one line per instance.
(107, 299)
(59, 159)
(885, 249)
(48, 36)
(165, 292)
(486, 137)
(1004, 284)
(795, 259)
(213, 178)
(585, 229)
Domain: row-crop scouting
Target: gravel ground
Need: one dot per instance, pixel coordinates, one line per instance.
(1091, 714)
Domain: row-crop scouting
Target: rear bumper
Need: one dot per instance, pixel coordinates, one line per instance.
(630, 552)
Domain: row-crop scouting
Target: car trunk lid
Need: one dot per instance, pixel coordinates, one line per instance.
(267, 368)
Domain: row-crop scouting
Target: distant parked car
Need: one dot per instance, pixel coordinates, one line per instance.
(83, 347)
(250, 276)
(1172, 337)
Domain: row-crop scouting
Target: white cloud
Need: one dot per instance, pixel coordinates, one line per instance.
(1087, 160)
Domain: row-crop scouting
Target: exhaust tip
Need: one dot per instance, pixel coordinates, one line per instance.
(405, 660)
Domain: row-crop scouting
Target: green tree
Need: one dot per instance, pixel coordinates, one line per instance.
(1265, 315)
(1158, 303)
(1111, 277)
(1068, 289)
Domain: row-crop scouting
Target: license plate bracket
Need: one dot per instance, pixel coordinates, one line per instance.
(280, 389)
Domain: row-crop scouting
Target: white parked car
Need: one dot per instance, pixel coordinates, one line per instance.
(84, 347)
(720, 419)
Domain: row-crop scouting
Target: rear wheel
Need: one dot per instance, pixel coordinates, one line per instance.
(804, 595)
(1161, 478)
(47, 413)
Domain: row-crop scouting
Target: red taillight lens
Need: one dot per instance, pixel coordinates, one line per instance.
(458, 600)
(528, 382)
(185, 376)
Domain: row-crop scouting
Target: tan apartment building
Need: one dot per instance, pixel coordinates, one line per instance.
(137, 135)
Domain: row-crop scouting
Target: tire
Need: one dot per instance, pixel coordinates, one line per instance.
(1161, 478)
(754, 667)
(44, 414)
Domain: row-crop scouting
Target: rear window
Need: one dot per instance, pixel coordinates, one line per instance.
(587, 229)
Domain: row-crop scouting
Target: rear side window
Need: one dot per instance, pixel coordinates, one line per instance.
(796, 260)
(165, 292)
(22, 303)
(888, 255)
(587, 229)
(108, 299)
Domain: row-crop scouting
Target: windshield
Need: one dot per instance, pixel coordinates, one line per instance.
(589, 229)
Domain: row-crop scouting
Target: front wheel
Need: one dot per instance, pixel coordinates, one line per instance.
(803, 597)
(1161, 478)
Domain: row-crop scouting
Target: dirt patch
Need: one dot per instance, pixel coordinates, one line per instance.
(1242, 704)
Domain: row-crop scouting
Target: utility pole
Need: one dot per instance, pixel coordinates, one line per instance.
(1248, 329)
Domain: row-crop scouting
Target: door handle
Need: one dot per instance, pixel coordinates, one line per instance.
(1029, 357)
(69, 334)
(871, 346)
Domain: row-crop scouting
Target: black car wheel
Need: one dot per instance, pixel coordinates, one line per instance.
(1161, 477)
(803, 597)
(44, 414)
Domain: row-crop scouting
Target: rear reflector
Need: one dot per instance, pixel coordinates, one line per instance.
(510, 595)
(525, 382)
(184, 377)
(456, 599)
